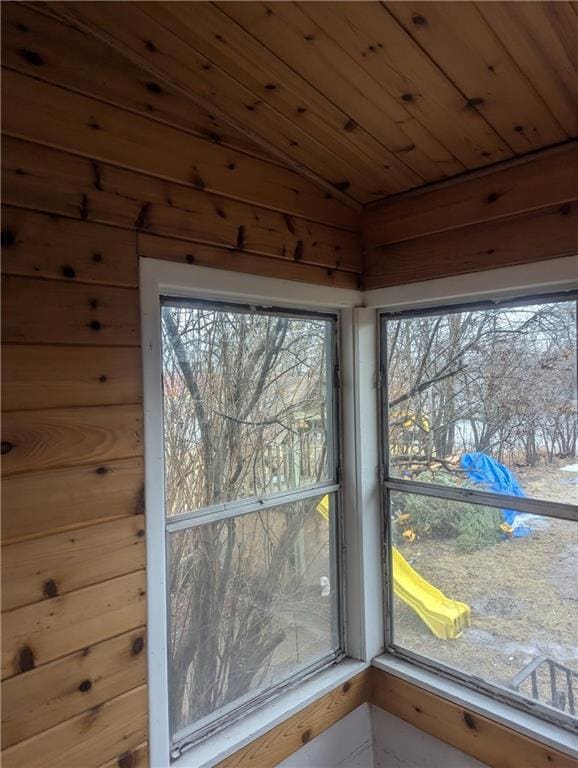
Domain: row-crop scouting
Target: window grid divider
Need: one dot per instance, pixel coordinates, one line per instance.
(486, 498)
(246, 506)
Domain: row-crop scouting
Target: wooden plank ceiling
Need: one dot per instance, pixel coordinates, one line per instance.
(369, 98)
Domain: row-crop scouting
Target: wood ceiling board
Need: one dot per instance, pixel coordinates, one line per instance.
(128, 29)
(228, 46)
(395, 95)
(466, 49)
(227, 92)
(33, 41)
(308, 49)
(542, 38)
(390, 58)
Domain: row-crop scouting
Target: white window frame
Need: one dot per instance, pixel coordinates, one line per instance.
(361, 548)
(216, 512)
(499, 286)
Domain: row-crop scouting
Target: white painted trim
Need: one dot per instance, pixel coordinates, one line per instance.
(157, 612)
(188, 280)
(493, 284)
(244, 731)
(498, 285)
(511, 717)
(351, 591)
(370, 552)
(360, 492)
(359, 431)
(158, 278)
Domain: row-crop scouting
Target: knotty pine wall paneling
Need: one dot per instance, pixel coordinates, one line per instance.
(100, 166)
(512, 214)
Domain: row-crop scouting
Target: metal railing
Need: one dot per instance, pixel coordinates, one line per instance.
(561, 698)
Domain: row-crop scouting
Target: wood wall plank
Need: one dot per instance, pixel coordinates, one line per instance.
(33, 441)
(484, 739)
(53, 312)
(544, 234)
(64, 562)
(93, 68)
(43, 697)
(544, 180)
(38, 634)
(94, 181)
(155, 247)
(100, 734)
(89, 155)
(38, 503)
(50, 246)
(133, 758)
(42, 178)
(280, 742)
(61, 118)
(43, 376)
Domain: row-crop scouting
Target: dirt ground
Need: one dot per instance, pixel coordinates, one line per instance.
(554, 482)
(523, 595)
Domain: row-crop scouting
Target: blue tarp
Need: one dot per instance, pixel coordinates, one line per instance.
(493, 476)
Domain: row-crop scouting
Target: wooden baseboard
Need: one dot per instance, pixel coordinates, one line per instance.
(286, 738)
(478, 736)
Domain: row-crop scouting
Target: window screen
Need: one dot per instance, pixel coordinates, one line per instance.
(252, 498)
(480, 480)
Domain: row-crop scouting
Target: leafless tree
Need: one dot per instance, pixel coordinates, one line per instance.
(501, 381)
(246, 403)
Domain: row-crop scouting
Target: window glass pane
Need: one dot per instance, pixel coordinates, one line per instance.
(474, 597)
(253, 600)
(486, 399)
(247, 404)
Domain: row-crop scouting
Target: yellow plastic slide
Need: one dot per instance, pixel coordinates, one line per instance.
(323, 507)
(446, 618)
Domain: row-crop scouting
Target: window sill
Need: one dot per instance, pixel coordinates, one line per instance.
(548, 734)
(229, 740)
